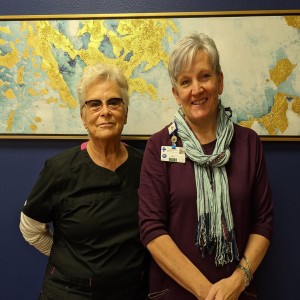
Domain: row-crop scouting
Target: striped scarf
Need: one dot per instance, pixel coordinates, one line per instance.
(215, 230)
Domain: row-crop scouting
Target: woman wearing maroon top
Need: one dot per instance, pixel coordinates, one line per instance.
(205, 210)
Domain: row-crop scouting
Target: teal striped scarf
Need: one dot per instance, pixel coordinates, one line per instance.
(215, 231)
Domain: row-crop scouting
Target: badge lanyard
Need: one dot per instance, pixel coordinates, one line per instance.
(173, 153)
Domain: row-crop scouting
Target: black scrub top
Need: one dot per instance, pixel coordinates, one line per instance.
(94, 212)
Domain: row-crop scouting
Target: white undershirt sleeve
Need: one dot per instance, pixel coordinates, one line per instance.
(36, 234)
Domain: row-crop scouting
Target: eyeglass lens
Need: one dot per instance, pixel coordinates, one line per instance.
(97, 105)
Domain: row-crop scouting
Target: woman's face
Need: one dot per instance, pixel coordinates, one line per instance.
(198, 90)
(106, 123)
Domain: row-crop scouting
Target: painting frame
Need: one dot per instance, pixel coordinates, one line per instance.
(133, 136)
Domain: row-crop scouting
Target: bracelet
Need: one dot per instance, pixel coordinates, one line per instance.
(246, 274)
(248, 265)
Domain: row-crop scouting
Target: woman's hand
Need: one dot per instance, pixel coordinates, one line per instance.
(229, 288)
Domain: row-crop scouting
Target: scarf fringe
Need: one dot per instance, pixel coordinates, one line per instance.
(208, 242)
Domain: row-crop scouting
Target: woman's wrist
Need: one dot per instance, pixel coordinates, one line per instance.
(246, 274)
(245, 267)
(239, 279)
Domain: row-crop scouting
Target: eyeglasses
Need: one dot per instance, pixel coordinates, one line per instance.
(97, 105)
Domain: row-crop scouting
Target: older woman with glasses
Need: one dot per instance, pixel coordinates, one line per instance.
(89, 194)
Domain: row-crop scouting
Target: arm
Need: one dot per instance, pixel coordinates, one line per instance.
(36, 234)
(261, 228)
(255, 251)
(174, 263)
(37, 212)
(232, 287)
(155, 214)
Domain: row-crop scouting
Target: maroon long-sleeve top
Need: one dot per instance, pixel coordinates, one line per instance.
(168, 205)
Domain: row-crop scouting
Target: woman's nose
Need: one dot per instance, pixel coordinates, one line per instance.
(197, 87)
(105, 110)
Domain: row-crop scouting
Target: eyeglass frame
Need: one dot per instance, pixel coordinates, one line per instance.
(100, 106)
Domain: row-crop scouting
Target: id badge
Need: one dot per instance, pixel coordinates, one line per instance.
(170, 154)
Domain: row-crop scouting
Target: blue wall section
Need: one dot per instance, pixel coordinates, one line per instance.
(22, 267)
(278, 273)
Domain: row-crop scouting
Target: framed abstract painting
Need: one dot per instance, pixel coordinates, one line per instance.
(42, 58)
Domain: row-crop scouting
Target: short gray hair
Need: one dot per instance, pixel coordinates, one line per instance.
(185, 51)
(106, 72)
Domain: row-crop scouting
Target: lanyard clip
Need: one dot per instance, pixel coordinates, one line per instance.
(174, 140)
(172, 132)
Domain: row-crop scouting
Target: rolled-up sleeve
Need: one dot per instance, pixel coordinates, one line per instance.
(153, 194)
(262, 216)
(36, 234)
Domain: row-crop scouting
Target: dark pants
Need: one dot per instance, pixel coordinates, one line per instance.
(59, 286)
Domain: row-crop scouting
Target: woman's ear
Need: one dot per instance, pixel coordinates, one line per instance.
(176, 95)
(126, 116)
(220, 83)
(82, 115)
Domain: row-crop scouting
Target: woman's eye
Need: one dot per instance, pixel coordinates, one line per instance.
(205, 75)
(114, 101)
(185, 82)
(95, 103)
